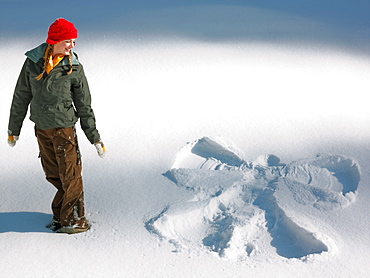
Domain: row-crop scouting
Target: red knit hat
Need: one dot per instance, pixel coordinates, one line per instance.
(61, 30)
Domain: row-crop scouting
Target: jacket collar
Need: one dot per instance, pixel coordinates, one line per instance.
(38, 53)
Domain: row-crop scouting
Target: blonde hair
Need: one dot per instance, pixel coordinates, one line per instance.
(49, 52)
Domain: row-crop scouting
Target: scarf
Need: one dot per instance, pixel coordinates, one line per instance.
(53, 62)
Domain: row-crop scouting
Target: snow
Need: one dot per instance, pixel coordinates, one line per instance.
(237, 136)
(230, 194)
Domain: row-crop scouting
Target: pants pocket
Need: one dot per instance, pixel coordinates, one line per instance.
(68, 170)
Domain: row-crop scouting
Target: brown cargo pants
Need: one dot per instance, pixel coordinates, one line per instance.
(61, 162)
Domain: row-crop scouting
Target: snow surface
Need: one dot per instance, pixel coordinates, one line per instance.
(238, 139)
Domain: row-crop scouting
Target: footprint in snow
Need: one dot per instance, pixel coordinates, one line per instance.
(235, 204)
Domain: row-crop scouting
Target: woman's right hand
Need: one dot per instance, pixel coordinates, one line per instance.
(12, 140)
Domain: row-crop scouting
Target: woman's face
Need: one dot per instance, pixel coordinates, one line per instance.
(64, 47)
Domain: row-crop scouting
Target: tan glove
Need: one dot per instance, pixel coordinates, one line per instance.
(100, 148)
(12, 140)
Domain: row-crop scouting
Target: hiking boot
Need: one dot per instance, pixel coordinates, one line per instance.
(74, 229)
(54, 225)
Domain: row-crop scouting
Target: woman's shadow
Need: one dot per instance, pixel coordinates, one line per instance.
(24, 222)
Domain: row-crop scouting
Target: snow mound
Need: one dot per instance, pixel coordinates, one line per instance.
(235, 212)
(326, 182)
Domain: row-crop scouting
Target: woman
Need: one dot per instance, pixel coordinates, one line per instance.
(52, 82)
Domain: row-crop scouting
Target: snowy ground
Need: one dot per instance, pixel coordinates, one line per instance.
(213, 116)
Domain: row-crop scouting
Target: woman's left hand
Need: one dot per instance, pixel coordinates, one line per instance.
(100, 148)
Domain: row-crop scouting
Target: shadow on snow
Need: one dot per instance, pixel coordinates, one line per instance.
(24, 222)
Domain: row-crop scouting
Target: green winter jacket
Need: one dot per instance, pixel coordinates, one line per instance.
(57, 100)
